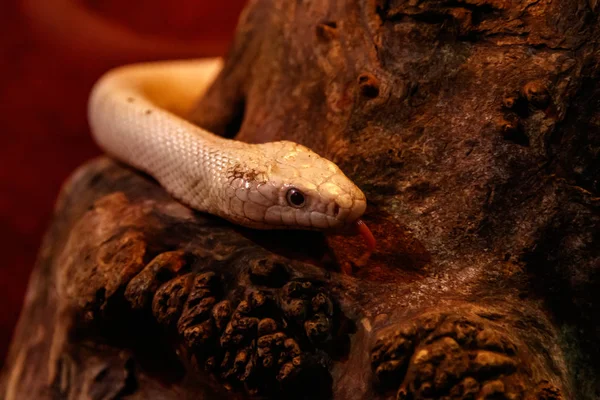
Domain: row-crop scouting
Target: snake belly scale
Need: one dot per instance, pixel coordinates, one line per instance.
(137, 114)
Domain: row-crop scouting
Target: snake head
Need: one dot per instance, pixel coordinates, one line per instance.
(296, 188)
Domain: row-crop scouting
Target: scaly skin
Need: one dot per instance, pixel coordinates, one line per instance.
(135, 115)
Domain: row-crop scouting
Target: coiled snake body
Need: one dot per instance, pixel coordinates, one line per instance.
(136, 114)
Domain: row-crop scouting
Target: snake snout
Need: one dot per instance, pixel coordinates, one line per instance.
(358, 209)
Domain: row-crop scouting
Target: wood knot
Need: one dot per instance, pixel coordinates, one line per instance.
(463, 18)
(509, 101)
(447, 355)
(536, 94)
(515, 102)
(546, 391)
(512, 130)
(369, 85)
(268, 272)
(327, 31)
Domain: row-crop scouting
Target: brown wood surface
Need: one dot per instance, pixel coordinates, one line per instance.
(473, 128)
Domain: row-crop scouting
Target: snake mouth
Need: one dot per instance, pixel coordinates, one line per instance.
(358, 209)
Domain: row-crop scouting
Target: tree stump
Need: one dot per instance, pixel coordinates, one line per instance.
(473, 126)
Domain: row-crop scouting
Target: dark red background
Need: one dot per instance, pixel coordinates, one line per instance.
(48, 63)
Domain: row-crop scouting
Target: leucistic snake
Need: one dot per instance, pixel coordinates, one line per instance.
(137, 114)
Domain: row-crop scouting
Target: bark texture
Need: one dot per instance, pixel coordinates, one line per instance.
(473, 126)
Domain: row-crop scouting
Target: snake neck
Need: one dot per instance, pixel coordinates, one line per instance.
(209, 174)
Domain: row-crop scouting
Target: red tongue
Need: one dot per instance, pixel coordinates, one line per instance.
(367, 235)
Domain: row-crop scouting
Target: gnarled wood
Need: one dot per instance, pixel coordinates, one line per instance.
(472, 126)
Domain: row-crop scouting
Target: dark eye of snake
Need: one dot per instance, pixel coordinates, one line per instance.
(295, 198)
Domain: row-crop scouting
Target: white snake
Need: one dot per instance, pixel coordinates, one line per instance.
(136, 114)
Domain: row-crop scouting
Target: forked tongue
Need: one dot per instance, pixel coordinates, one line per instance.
(367, 235)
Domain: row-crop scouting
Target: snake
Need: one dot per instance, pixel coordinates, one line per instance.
(137, 114)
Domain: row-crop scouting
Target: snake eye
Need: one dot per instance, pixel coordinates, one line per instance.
(295, 198)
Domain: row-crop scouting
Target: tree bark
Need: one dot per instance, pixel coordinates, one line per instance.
(473, 126)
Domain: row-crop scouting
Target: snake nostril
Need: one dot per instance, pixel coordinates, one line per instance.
(336, 209)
